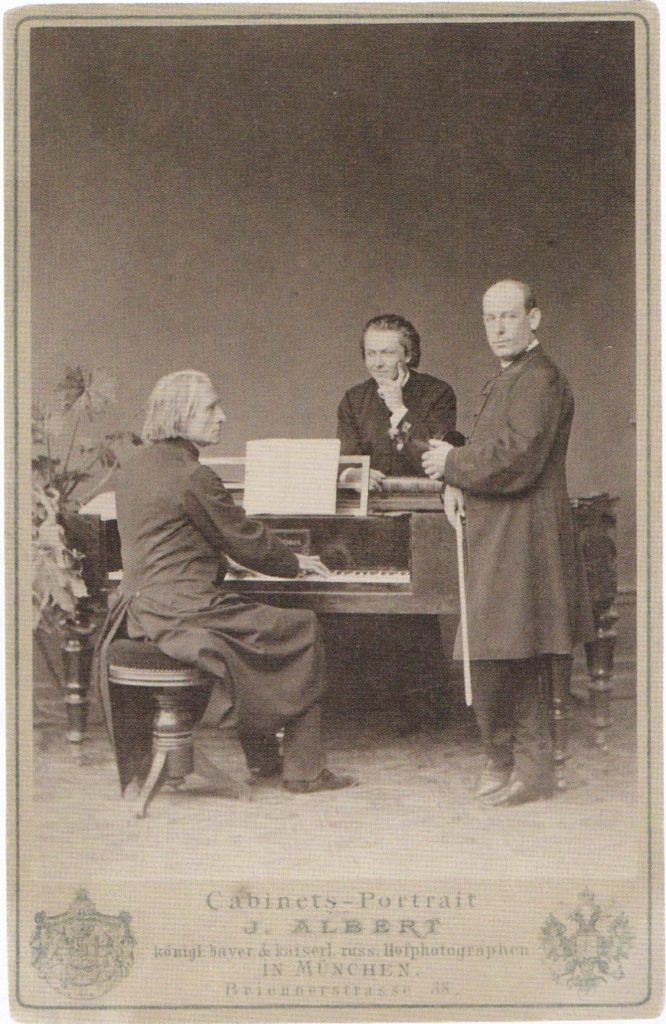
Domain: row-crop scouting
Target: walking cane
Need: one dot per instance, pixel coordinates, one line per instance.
(467, 673)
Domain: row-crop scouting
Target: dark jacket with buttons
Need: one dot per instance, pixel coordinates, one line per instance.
(526, 588)
(177, 525)
(364, 421)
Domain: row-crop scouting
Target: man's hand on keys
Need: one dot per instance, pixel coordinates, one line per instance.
(312, 565)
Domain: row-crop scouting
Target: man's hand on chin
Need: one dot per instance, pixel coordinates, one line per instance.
(434, 459)
(390, 391)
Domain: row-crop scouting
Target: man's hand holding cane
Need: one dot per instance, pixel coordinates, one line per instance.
(434, 461)
(454, 506)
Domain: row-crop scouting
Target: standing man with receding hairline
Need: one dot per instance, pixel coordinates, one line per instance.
(526, 589)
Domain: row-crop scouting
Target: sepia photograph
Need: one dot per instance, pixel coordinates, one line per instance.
(333, 422)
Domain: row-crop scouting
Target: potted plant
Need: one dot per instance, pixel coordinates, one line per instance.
(68, 467)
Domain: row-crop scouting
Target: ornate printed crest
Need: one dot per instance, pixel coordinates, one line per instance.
(82, 953)
(589, 950)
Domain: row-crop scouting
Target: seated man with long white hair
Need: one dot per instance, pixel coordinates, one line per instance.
(178, 524)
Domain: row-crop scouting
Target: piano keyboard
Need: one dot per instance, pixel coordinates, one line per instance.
(356, 579)
(397, 563)
(338, 577)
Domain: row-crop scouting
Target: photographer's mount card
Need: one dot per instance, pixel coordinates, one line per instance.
(381, 226)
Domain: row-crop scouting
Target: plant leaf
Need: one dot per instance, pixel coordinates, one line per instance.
(73, 387)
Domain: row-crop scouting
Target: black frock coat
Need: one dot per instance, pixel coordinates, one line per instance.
(177, 523)
(526, 589)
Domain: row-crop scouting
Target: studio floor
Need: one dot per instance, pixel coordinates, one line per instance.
(412, 813)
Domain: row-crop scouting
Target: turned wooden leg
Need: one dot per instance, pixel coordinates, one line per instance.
(77, 657)
(174, 756)
(151, 785)
(172, 746)
(600, 652)
(557, 670)
(172, 732)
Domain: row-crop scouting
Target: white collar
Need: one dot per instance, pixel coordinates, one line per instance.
(504, 363)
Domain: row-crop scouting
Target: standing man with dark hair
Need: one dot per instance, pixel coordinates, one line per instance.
(526, 589)
(390, 417)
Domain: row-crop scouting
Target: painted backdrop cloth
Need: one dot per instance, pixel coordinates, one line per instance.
(177, 524)
(526, 587)
(364, 421)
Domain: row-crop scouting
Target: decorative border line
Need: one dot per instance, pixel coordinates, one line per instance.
(329, 17)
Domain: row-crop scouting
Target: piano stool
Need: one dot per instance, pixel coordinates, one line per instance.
(139, 663)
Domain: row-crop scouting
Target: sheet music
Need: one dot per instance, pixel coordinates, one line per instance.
(291, 476)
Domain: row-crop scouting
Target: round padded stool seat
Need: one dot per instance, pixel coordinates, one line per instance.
(177, 690)
(141, 663)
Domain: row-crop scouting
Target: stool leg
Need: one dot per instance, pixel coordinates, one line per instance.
(172, 732)
(204, 767)
(152, 783)
(174, 755)
(172, 746)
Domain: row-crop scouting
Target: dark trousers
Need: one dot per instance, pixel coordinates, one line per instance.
(302, 748)
(511, 709)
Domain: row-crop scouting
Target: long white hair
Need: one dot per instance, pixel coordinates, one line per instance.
(171, 404)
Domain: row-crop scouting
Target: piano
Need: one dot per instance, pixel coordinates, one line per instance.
(393, 553)
(397, 558)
